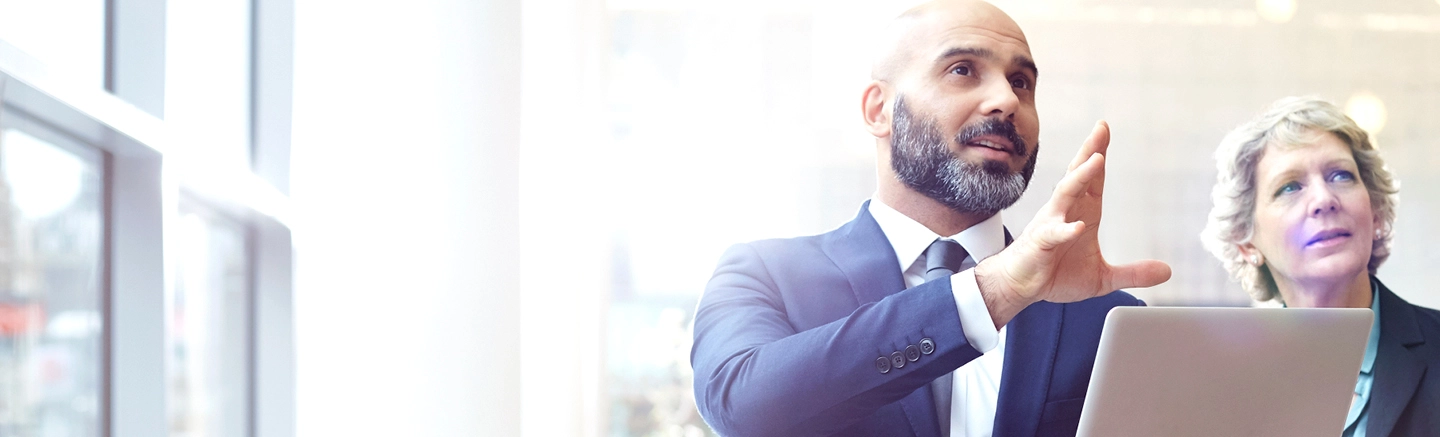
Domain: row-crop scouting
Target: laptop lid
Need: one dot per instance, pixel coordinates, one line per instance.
(1225, 371)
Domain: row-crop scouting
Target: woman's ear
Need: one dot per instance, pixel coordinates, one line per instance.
(1251, 255)
(874, 109)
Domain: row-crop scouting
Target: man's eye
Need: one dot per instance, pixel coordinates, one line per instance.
(1020, 82)
(1288, 188)
(963, 70)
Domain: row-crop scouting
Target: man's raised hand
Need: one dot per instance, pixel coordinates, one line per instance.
(1057, 258)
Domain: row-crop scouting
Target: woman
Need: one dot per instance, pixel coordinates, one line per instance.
(1304, 214)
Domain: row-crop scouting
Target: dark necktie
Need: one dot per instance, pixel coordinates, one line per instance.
(943, 259)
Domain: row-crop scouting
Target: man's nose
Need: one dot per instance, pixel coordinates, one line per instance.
(1000, 99)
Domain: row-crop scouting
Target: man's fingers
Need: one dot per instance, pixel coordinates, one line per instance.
(1074, 184)
(1096, 186)
(1098, 142)
(1139, 274)
(1054, 235)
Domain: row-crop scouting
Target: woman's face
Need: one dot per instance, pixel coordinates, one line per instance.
(1313, 219)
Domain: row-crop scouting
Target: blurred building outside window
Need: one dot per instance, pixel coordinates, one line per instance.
(51, 233)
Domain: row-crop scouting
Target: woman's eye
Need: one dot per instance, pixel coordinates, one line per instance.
(1288, 188)
(963, 70)
(1342, 176)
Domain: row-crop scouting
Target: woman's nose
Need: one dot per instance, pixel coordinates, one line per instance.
(1323, 201)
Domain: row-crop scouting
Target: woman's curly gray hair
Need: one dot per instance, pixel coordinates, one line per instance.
(1288, 121)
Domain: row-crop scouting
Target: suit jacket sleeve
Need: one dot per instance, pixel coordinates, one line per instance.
(755, 374)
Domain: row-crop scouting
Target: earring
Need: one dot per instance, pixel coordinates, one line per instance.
(1255, 260)
(1379, 234)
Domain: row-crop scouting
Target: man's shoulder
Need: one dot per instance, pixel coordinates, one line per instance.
(807, 244)
(807, 258)
(781, 243)
(778, 249)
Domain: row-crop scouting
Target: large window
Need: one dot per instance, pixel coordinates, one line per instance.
(51, 286)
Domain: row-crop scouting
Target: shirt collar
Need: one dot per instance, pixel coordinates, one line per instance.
(909, 238)
(1373, 344)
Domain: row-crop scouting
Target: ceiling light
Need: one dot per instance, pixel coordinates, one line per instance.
(1367, 110)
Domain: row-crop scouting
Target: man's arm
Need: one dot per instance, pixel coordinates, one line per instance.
(755, 375)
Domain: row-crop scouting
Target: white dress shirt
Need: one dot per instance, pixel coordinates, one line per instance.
(976, 385)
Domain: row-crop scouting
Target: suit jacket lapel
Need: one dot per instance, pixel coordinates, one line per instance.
(1033, 338)
(1397, 371)
(862, 252)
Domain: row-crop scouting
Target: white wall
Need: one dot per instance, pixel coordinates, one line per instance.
(404, 179)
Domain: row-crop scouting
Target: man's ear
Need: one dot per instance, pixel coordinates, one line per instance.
(873, 108)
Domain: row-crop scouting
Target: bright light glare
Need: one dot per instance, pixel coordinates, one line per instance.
(67, 36)
(74, 324)
(207, 78)
(215, 180)
(1276, 11)
(43, 179)
(1368, 111)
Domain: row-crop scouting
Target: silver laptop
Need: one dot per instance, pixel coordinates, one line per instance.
(1225, 371)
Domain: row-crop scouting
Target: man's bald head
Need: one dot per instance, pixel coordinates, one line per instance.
(952, 108)
(911, 33)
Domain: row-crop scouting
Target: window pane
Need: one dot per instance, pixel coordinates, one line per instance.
(50, 286)
(208, 363)
(67, 36)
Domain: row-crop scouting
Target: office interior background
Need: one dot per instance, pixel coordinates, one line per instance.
(495, 217)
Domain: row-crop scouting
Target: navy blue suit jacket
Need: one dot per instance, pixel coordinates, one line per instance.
(1405, 398)
(789, 332)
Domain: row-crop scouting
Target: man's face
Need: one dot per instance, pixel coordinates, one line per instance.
(964, 126)
(925, 161)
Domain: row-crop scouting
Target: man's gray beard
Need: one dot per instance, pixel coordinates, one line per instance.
(923, 161)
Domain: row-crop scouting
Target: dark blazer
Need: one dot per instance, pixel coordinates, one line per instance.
(1405, 397)
(818, 336)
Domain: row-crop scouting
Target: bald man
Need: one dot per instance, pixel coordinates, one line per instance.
(921, 317)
